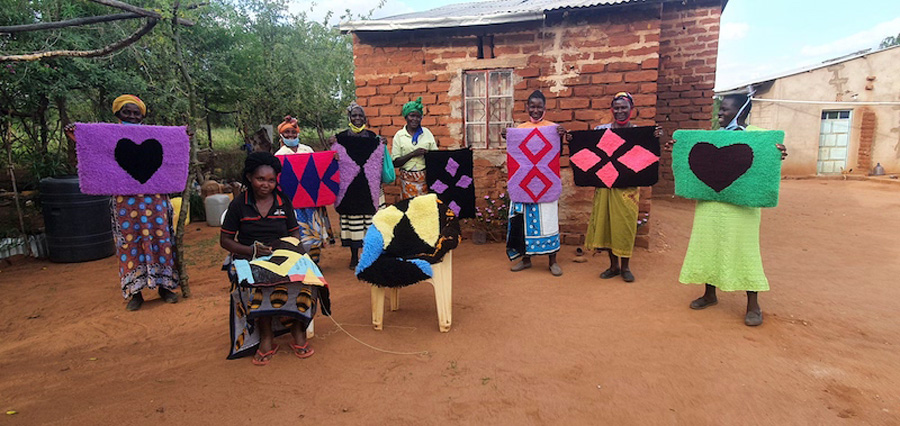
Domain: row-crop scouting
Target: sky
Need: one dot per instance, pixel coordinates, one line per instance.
(758, 38)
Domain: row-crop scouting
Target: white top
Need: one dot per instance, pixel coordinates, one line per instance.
(301, 149)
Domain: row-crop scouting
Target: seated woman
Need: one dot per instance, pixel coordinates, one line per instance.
(255, 221)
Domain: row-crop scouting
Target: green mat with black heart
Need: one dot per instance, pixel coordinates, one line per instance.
(736, 167)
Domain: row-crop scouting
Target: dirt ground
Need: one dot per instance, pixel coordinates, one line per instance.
(525, 348)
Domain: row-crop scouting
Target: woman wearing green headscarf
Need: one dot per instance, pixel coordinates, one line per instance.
(410, 144)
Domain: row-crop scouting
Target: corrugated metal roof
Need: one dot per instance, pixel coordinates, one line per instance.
(477, 13)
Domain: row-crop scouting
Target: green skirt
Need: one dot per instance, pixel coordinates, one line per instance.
(724, 248)
(613, 223)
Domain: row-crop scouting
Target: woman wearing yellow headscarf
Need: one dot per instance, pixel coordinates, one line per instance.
(408, 150)
(142, 228)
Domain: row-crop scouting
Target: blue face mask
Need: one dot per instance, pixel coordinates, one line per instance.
(293, 143)
(129, 124)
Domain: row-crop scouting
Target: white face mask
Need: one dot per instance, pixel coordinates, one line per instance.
(733, 125)
(293, 143)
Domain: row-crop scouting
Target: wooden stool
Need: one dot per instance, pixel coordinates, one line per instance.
(443, 296)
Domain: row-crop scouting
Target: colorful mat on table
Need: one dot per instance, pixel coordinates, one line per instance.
(119, 159)
(360, 160)
(310, 180)
(405, 239)
(286, 285)
(737, 167)
(615, 158)
(533, 164)
(449, 175)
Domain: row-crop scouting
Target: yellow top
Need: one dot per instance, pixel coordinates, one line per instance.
(402, 144)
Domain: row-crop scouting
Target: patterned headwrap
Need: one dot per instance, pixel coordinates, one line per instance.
(120, 102)
(353, 105)
(289, 122)
(415, 105)
(624, 95)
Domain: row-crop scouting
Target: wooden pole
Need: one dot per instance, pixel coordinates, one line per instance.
(12, 177)
(183, 276)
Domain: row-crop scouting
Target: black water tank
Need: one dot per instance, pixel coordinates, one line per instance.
(78, 225)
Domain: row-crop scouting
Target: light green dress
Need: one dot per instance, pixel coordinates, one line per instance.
(724, 248)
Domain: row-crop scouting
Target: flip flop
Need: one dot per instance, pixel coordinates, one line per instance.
(302, 351)
(753, 319)
(701, 303)
(609, 273)
(628, 276)
(264, 357)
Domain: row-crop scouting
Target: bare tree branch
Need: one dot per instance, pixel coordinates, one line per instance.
(68, 23)
(140, 11)
(85, 53)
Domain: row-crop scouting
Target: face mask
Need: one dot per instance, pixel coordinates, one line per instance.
(539, 119)
(129, 123)
(293, 143)
(355, 129)
(733, 125)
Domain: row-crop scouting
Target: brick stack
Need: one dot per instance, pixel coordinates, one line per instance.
(868, 127)
(579, 59)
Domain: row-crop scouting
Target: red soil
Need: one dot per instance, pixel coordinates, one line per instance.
(525, 348)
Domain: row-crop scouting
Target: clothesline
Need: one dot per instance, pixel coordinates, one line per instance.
(790, 101)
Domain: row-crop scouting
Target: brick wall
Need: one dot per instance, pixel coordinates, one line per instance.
(578, 59)
(688, 48)
(867, 130)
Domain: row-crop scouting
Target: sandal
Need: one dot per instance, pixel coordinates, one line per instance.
(702, 303)
(264, 357)
(628, 276)
(303, 351)
(609, 273)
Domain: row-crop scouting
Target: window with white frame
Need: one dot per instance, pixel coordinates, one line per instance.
(488, 107)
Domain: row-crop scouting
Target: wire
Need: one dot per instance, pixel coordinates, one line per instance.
(373, 347)
(789, 101)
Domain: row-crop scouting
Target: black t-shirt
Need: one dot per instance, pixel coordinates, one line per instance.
(244, 220)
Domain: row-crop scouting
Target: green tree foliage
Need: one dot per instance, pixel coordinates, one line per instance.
(250, 57)
(889, 41)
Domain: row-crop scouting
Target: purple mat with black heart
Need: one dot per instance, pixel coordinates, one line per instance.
(737, 167)
(449, 175)
(615, 158)
(118, 159)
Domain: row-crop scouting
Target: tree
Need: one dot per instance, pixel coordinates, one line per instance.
(889, 41)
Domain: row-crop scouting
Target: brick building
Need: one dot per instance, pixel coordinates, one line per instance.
(475, 63)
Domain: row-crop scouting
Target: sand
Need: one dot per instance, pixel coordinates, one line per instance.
(525, 348)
